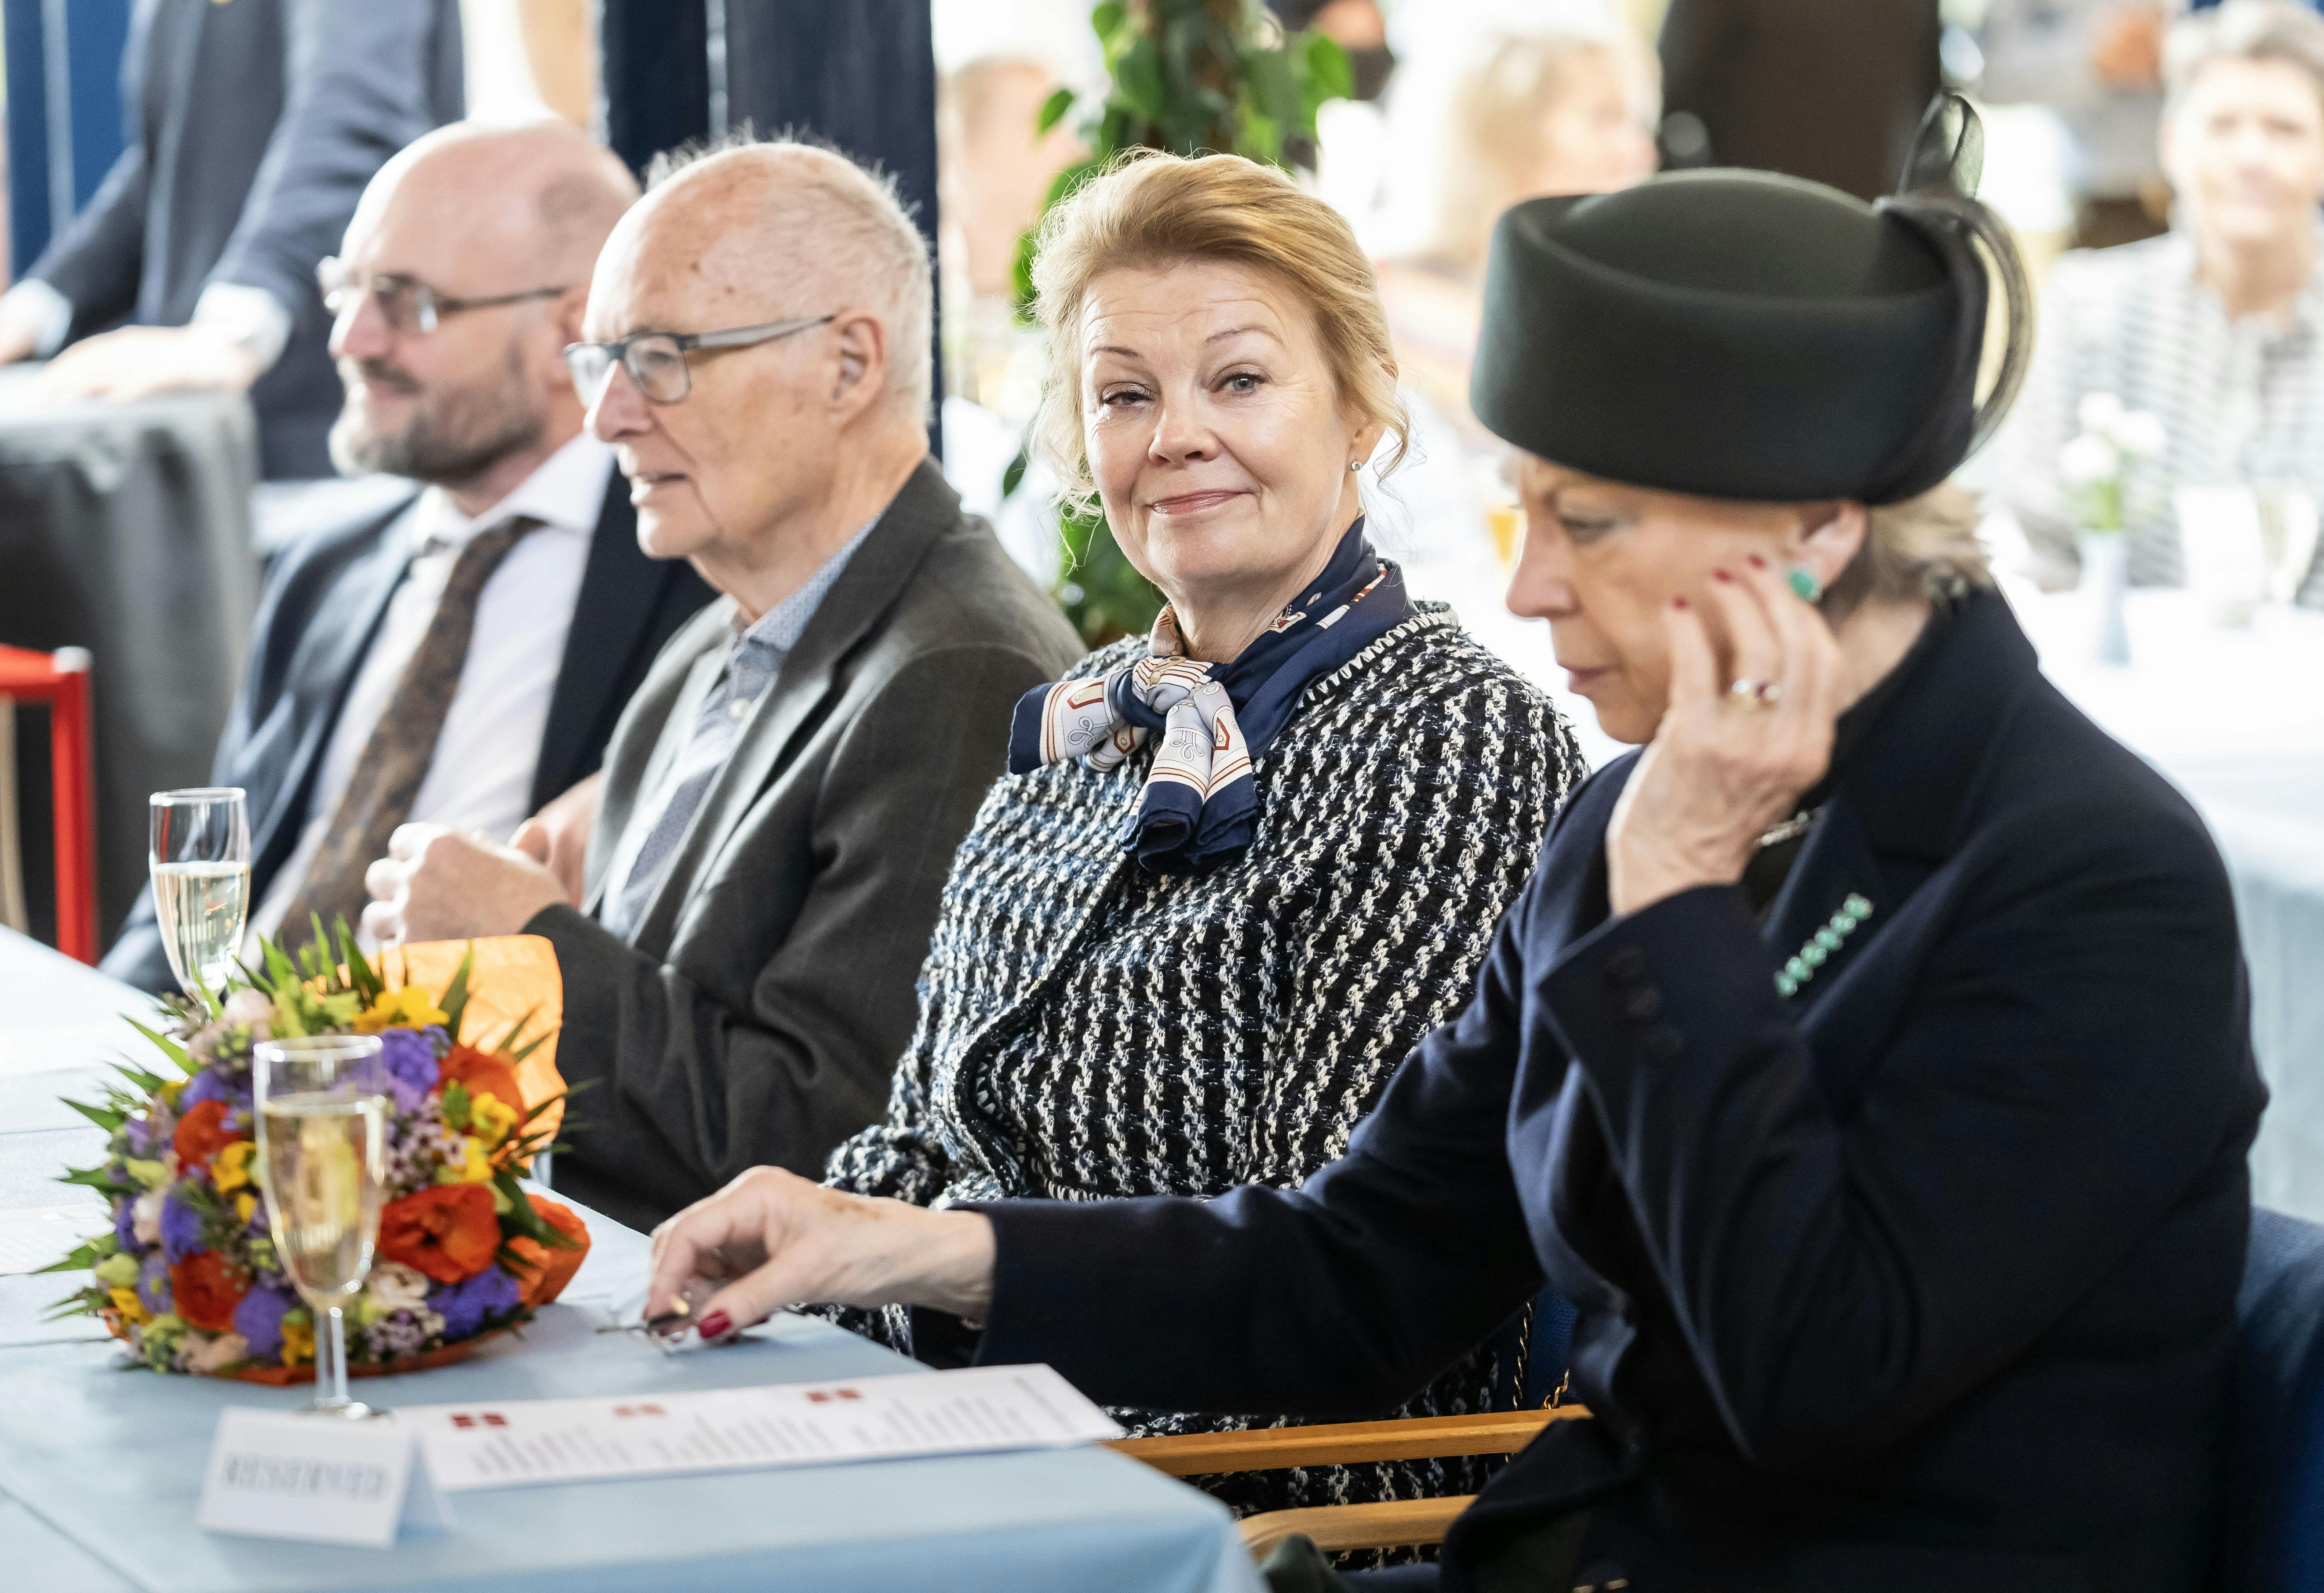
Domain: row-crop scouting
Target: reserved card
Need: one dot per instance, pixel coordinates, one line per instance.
(324, 1479)
(984, 1409)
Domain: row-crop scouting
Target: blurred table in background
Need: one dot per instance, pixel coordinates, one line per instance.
(125, 528)
(2234, 717)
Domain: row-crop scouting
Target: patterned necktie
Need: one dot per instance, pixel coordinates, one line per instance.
(402, 744)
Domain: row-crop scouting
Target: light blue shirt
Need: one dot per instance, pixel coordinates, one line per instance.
(754, 658)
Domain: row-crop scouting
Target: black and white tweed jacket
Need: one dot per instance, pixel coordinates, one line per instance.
(1088, 1030)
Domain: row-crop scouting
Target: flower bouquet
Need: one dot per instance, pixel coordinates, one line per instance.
(189, 1277)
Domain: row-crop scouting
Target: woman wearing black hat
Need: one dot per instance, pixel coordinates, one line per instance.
(1869, 1059)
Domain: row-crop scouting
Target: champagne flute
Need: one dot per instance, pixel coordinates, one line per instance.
(201, 881)
(322, 1141)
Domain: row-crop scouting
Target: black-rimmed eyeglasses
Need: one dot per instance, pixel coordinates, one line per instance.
(656, 360)
(409, 307)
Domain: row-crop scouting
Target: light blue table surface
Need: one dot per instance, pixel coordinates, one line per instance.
(101, 1467)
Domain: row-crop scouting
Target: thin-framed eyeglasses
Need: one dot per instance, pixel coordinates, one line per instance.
(656, 360)
(409, 307)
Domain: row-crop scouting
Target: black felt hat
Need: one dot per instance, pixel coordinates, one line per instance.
(1742, 335)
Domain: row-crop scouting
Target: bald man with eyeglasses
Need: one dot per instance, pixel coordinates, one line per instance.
(459, 649)
(781, 803)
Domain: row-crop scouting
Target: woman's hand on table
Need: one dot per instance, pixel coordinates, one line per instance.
(1736, 747)
(774, 1239)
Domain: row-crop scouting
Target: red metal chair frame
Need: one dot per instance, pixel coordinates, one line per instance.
(60, 680)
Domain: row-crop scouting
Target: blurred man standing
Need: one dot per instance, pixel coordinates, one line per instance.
(254, 127)
(783, 799)
(463, 658)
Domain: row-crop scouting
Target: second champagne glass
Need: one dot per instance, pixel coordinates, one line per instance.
(322, 1140)
(201, 881)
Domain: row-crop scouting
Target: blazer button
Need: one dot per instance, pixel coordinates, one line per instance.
(1625, 965)
(1642, 1002)
(1663, 1045)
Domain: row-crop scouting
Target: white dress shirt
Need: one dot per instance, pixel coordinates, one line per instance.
(481, 776)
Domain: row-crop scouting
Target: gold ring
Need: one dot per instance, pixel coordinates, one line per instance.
(1756, 693)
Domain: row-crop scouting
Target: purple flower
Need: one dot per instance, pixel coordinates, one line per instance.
(124, 1224)
(181, 1229)
(153, 1285)
(211, 1085)
(259, 1319)
(464, 1306)
(141, 1137)
(406, 1068)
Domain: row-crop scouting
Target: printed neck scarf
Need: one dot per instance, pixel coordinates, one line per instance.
(1199, 807)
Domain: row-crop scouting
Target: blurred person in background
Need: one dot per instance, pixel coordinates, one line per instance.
(461, 657)
(1830, 90)
(2214, 327)
(254, 127)
(2099, 65)
(1529, 115)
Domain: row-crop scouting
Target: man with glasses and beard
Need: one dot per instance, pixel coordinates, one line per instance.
(781, 803)
(462, 658)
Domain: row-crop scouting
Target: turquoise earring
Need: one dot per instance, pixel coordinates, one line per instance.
(1804, 582)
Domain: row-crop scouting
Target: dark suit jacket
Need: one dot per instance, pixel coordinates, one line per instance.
(759, 1013)
(254, 127)
(1830, 90)
(323, 604)
(1921, 1279)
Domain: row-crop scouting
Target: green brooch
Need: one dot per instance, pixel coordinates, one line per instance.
(1822, 944)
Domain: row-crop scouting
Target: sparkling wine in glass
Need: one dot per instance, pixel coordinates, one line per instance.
(201, 881)
(322, 1140)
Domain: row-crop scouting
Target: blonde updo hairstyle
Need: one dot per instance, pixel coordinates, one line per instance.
(1149, 211)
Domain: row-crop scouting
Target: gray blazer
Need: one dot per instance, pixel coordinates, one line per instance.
(253, 129)
(757, 1016)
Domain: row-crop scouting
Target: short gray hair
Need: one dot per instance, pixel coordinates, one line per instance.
(2243, 30)
(1925, 547)
(863, 237)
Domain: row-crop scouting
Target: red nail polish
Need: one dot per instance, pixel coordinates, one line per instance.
(715, 1326)
(1720, 575)
(1756, 562)
(1678, 603)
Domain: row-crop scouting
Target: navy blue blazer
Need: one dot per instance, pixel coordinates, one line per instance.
(323, 604)
(253, 129)
(1921, 1278)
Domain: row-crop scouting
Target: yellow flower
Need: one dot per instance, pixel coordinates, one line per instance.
(298, 1343)
(409, 1007)
(170, 1091)
(230, 1168)
(473, 1167)
(489, 1119)
(132, 1309)
(245, 1204)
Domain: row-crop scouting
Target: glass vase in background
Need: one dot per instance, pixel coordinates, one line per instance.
(322, 1142)
(201, 859)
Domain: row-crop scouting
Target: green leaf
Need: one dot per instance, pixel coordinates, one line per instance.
(1054, 109)
(1013, 476)
(1106, 20)
(94, 1178)
(104, 1116)
(456, 1104)
(456, 994)
(80, 1260)
(170, 1048)
(1138, 80)
(1330, 73)
(151, 1083)
(531, 1045)
(1274, 86)
(359, 972)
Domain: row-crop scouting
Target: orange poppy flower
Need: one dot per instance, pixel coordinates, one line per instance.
(202, 1133)
(449, 1232)
(205, 1289)
(544, 1272)
(481, 1074)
